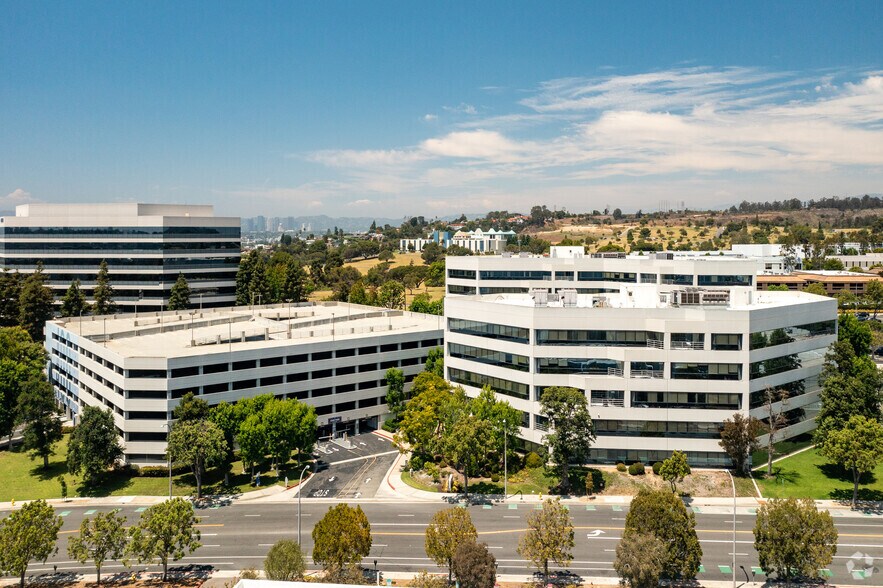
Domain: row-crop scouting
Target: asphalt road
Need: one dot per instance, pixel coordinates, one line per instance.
(238, 535)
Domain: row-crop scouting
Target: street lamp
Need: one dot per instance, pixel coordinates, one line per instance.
(734, 526)
(169, 455)
(505, 462)
(376, 575)
(299, 482)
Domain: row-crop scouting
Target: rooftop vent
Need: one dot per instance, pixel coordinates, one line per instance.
(568, 297)
(540, 297)
(699, 297)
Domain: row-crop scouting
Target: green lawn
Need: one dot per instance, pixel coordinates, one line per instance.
(758, 458)
(24, 479)
(808, 475)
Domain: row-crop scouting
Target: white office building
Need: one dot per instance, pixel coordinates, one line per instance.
(567, 268)
(146, 246)
(333, 356)
(661, 364)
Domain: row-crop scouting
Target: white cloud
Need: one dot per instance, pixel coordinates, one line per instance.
(430, 118)
(16, 197)
(362, 202)
(461, 108)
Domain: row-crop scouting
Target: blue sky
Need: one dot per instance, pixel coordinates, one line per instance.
(399, 108)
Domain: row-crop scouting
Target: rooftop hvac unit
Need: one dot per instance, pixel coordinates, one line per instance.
(697, 297)
(663, 255)
(568, 297)
(540, 297)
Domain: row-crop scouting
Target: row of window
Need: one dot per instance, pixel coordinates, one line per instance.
(604, 276)
(783, 392)
(51, 263)
(498, 385)
(648, 456)
(121, 231)
(623, 428)
(783, 335)
(136, 247)
(489, 330)
(786, 363)
(511, 361)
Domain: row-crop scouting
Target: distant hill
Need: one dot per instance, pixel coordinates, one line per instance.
(321, 223)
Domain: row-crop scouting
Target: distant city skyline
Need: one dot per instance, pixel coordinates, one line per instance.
(400, 108)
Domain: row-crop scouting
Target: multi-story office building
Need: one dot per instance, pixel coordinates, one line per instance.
(333, 356)
(568, 268)
(146, 246)
(661, 366)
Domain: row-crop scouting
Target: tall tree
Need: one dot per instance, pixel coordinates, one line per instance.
(244, 276)
(295, 287)
(94, 445)
(179, 296)
(103, 293)
(74, 301)
(40, 415)
(191, 408)
(228, 419)
(665, 516)
(739, 438)
(197, 443)
(285, 562)
(395, 392)
(571, 431)
(467, 443)
(874, 294)
(435, 362)
(851, 385)
(639, 560)
(793, 538)
(447, 529)
(166, 531)
(340, 540)
(391, 295)
(474, 565)
(857, 447)
(289, 426)
(252, 440)
(854, 332)
(10, 292)
(20, 359)
(102, 538)
(28, 534)
(35, 304)
(549, 537)
(675, 469)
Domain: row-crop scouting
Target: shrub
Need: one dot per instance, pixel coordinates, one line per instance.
(249, 574)
(432, 471)
(636, 469)
(657, 466)
(590, 483)
(495, 477)
(620, 467)
(285, 561)
(533, 460)
(390, 426)
(159, 471)
(416, 462)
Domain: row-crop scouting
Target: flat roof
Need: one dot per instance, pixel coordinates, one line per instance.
(190, 333)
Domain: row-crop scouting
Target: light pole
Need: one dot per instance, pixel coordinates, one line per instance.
(200, 302)
(734, 526)
(505, 462)
(191, 326)
(299, 482)
(169, 455)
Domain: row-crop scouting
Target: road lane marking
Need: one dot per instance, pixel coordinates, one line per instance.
(252, 515)
(91, 511)
(211, 545)
(141, 509)
(511, 517)
(406, 515)
(209, 534)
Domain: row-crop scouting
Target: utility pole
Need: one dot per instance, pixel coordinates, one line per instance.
(734, 527)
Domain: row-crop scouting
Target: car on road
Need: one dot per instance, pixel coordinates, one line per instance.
(862, 316)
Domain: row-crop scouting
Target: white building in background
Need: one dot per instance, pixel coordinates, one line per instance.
(662, 364)
(146, 246)
(568, 268)
(333, 356)
(478, 241)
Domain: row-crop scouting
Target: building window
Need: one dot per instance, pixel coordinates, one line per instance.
(726, 342)
(489, 330)
(183, 372)
(322, 392)
(498, 358)
(677, 279)
(706, 371)
(687, 341)
(271, 361)
(649, 278)
(158, 374)
(296, 358)
(671, 429)
(599, 338)
(576, 365)
(461, 274)
(343, 389)
(516, 275)
(271, 381)
(498, 385)
(322, 374)
(707, 400)
(724, 280)
(458, 289)
(782, 335)
(607, 398)
(215, 388)
(321, 355)
(298, 377)
(368, 350)
(502, 290)
(606, 276)
(786, 363)
(566, 276)
(646, 369)
(344, 353)
(244, 384)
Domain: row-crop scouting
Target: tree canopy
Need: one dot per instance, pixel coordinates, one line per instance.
(665, 516)
(858, 447)
(571, 431)
(341, 539)
(94, 445)
(447, 529)
(179, 296)
(27, 534)
(102, 538)
(549, 537)
(793, 538)
(166, 531)
(199, 444)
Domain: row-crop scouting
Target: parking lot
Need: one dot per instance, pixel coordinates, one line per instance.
(351, 468)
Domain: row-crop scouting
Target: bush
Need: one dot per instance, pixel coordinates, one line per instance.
(432, 471)
(657, 465)
(67, 430)
(533, 460)
(249, 574)
(158, 471)
(285, 561)
(636, 469)
(390, 426)
(495, 477)
(416, 462)
(620, 467)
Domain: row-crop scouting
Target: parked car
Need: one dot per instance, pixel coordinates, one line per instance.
(862, 316)
(878, 351)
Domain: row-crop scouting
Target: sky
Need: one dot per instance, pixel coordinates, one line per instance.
(434, 108)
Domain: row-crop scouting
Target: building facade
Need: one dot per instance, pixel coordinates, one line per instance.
(834, 282)
(146, 246)
(661, 367)
(333, 356)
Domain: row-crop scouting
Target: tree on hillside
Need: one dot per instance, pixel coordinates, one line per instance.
(857, 447)
(739, 438)
(103, 293)
(94, 445)
(447, 529)
(40, 415)
(793, 538)
(179, 296)
(166, 531)
(675, 469)
(395, 392)
(35, 304)
(341, 540)
(102, 538)
(665, 516)
(571, 431)
(27, 534)
(74, 302)
(197, 443)
(549, 537)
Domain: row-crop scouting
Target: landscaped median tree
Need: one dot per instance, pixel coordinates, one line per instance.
(640, 559)
(102, 538)
(166, 531)
(474, 565)
(664, 515)
(447, 529)
(549, 537)
(571, 432)
(197, 443)
(27, 534)
(94, 446)
(285, 562)
(793, 538)
(858, 447)
(340, 541)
